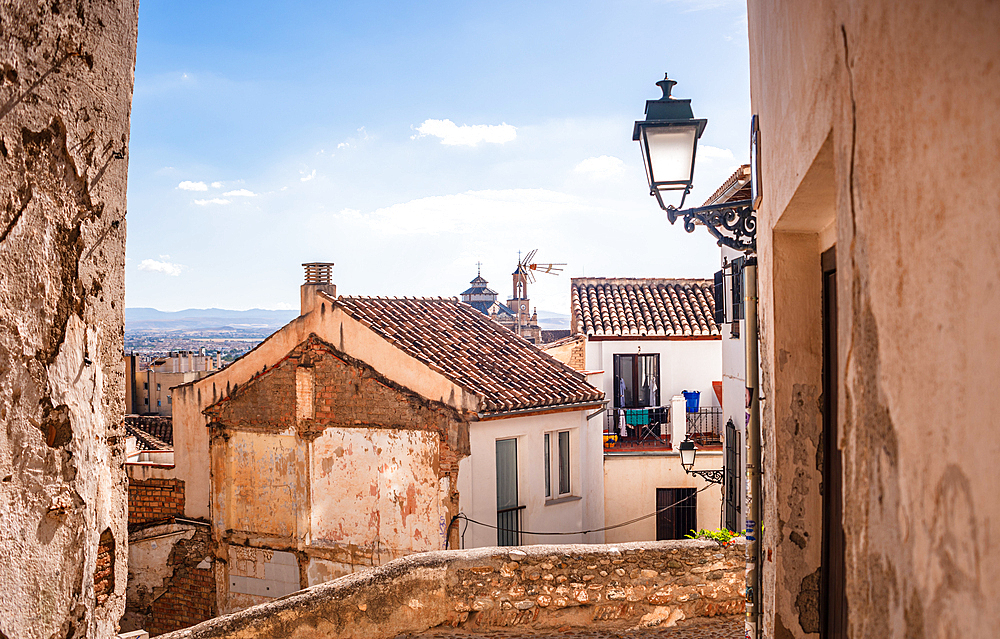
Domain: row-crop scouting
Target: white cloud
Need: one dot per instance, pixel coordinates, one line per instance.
(240, 193)
(310, 176)
(214, 200)
(284, 306)
(166, 268)
(353, 142)
(466, 135)
(216, 185)
(192, 186)
(601, 167)
(706, 152)
(451, 213)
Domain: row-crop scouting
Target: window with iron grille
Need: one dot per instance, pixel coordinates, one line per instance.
(677, 512)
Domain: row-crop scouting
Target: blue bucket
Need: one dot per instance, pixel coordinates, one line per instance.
(692, 398)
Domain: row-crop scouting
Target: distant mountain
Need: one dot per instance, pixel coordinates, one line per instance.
(255, 320)
(552, 321)
(151, 319)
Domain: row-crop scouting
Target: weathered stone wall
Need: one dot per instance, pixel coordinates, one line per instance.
(66, 75)
(154, 499)
(594, 586)
(880, 134)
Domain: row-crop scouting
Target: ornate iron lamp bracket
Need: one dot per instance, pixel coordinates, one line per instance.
(737, 219)
(711, 476)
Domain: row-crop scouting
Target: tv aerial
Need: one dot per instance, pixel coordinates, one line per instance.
(530, 267)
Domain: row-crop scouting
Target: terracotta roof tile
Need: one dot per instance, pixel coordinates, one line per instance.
(637, 307)
(475, 352)
(151, 433)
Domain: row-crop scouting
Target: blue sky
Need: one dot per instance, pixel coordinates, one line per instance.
(406, 141)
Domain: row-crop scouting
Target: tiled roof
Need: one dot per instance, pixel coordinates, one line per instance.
(648, 306)
(161, 428)
(143, 429)
(736, 187)
(473, 351)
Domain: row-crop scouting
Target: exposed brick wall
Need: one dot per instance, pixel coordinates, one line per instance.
(185, 597)
(347, 393)
(189, 601)
(104, 572)
(154, 500)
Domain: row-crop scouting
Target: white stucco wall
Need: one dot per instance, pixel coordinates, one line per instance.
(477, 478)
(684, 365)
(734, 385)
(630, 483)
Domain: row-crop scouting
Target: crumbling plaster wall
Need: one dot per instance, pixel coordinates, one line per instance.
(323, 464)
(329, 323)
(904, 97)
(66, 76)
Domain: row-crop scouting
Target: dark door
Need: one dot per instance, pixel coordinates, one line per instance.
(676, 512)
(833, 601)
(508, 511)
(732, 478)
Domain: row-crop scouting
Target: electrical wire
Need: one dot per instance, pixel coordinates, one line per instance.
(468, 520)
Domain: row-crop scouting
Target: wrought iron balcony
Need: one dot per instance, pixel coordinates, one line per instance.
(705, 427)
(628, 429)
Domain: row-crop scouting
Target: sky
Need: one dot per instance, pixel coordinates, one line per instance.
(407, 141)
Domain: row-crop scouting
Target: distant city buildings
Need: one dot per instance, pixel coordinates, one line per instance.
(151, 378)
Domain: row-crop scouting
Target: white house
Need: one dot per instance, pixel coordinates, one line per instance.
(647, 341)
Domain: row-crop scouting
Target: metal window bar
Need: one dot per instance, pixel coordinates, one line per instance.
(637, 429)
(705, 427)
(509, 526)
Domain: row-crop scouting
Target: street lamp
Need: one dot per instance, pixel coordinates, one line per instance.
(668, 138)
(688, 453)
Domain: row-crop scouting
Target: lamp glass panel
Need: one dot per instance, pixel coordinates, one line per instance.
(671, 152)
(687, 457)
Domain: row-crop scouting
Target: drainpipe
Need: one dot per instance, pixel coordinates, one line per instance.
(753, 531)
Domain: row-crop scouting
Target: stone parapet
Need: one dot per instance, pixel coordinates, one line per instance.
(618, 586)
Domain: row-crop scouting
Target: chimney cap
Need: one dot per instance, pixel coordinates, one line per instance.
(318, 272)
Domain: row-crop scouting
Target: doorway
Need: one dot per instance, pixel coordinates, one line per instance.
(833, 599)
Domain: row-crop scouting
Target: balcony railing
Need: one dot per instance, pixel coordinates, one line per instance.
(627, 429)
(509, 526)
(705, 427)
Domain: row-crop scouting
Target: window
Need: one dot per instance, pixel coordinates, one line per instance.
(637, 381)
(676, 512)
(157, 403)
(562, 467)
(548, 466)
(145, 400)
(145, 386)
(169, 400)
(564, 487)
(157, 388)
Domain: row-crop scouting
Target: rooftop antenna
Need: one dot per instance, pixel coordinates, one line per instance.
(530, 266)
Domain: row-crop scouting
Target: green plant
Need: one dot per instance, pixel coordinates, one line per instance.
(722, 536)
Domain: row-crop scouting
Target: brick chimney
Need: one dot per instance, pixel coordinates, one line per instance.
(318, 278)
